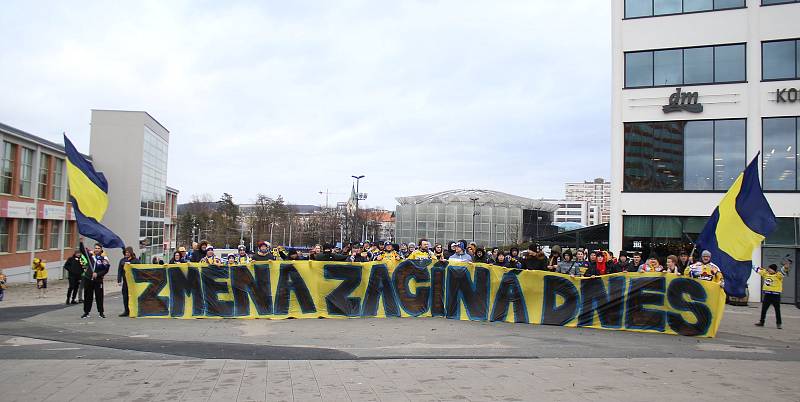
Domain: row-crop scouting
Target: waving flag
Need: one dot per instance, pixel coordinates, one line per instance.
(738, 225)
(88, 192)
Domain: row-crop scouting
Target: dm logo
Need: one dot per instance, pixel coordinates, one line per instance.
(683, 101)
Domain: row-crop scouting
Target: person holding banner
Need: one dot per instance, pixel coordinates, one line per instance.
(598, 267)
(128, 258)
(771, 293)
(263, 254)
(567, 265)
(672, 265)
(705, 270)
(210, 258)
(424, 252)
(460, 255)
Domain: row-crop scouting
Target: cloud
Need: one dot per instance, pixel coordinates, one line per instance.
(292, 98)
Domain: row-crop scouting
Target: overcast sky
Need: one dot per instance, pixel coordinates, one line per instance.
(294, 97)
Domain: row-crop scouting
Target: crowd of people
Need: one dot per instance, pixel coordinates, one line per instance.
(577, 262)
(86, 270)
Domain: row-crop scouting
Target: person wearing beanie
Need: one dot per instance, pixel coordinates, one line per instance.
(623, 263)
(771, 289)
(328, 254)
(599, 266)
(535, 260)
(210, 258)
(705, 270)
(460, 255)
(263, 254)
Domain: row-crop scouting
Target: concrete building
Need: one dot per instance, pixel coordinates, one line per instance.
(700, 88)
(597, 192)
(36, 220)
(131, 149)
(500, 218)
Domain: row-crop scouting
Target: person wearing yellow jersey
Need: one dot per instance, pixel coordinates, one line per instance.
(423, 252)
(40, 274)
(242, 258)
(388, 254)
(772, 286)
(705, 270)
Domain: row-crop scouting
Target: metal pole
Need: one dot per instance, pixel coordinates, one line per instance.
(474, 201)
(270, 232)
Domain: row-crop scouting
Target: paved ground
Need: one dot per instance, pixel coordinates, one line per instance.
(48, 353)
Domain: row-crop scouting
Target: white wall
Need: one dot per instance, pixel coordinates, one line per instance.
(752, 100)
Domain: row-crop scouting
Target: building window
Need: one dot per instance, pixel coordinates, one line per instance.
(660, 235)
(23, 232)
(773, 2)
(55, 234)
(696, 155)
(40, 233)
(58, 178)
(26, 172)
(9, 150)
(779, 154)
(68, 235)
(779, 60)
(4, 224)
(695, 65)
(655, 8)
(44, 170)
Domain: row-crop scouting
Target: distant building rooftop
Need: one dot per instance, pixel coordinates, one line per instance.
(484, 197)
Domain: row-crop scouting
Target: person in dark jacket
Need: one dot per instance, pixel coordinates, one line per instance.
(449, 250)
(623, 263)
(198, 255)
(358, 254)
(535, 260)
(75, 270)
(599, 266)
(128, 258)
(93, 279)
(327, 254)
(263, 253)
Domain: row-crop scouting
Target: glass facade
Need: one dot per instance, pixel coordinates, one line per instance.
(694, 155)
(780, 155)
(695, 65)
(654, 8)
(443, 222)
(153, 195)
(23, 233)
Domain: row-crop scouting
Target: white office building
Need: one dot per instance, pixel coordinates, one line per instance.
(570, 212)
(700, 87)
(596, 192)
(131, 149)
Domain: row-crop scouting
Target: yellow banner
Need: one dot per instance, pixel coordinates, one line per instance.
(649, 302)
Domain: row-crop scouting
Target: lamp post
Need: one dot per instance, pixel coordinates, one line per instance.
(474, 213)
(355, 217)
(538, 218)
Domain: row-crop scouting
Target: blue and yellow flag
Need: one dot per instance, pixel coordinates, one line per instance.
(738, 225)
(88, 192)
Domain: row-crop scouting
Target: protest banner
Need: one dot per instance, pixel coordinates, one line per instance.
(648, 302)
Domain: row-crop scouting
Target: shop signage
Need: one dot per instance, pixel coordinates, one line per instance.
(679, 101)
(786, 95)
(52, 212)
(23, 210)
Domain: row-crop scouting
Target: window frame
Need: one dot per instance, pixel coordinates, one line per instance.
(44, 169)
(796, 43)
(27, 224)
(713, 9)
(12, 161)
(714, 148)
(683, 66)
(796, 162)
(778, 4)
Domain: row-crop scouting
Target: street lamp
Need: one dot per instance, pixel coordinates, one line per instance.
(538, 218)
(358, 195)
(474, 213)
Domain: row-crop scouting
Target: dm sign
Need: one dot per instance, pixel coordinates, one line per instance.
(687, 101)
(651, 302)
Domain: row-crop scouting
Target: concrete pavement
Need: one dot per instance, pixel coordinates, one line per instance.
(48, 353)
(398, 380)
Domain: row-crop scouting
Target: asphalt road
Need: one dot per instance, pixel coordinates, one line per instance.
(56, 331)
